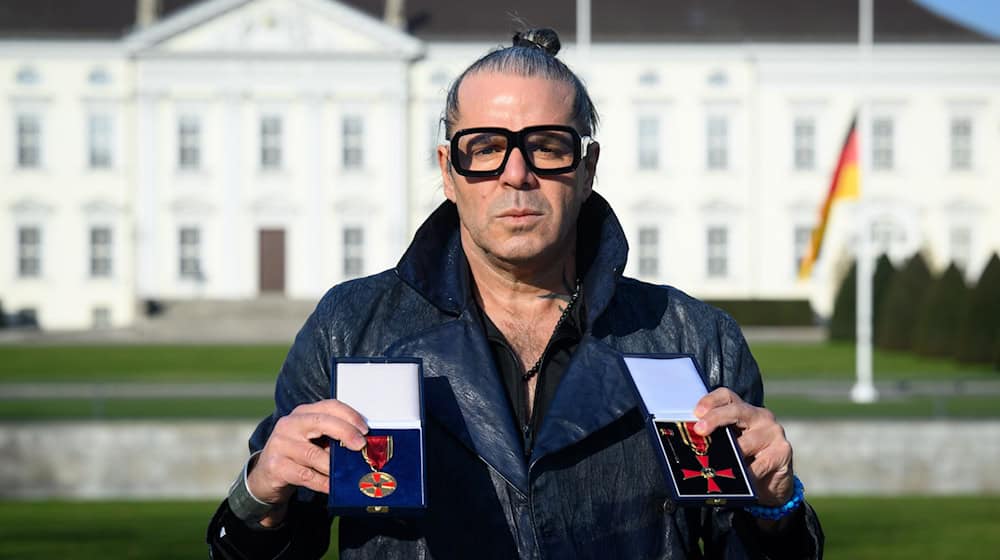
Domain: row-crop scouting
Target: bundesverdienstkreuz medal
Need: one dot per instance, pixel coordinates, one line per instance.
(699, 444)
(377, 453)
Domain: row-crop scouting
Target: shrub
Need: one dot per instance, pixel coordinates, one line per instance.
(768, 312)
(941, 314)
(981, 322)
(843, 322)
(844, 318)
(899, 313)
(884, 272)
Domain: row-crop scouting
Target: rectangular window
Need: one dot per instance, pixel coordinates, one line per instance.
(718, 252)
(99, 141)
(882, 144)
(29, 252)
(649, 252)
(649, 143)
(805, 143)
(270, 142)
(960, 240)
(353, 136)
(961, 144)
(100, 252)
(29, 141)
(101, 317)
(354, 251)
(189, 252)
(189, 143)
(802, 238)
(718, 143)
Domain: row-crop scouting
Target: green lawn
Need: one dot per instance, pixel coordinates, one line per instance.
(827, 361)
(804, 408)
(147, 409)
(255, 408)
(207, 364)
(835, 361)
(941, 528)
(165, 363)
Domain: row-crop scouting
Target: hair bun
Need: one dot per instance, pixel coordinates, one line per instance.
(544, 38)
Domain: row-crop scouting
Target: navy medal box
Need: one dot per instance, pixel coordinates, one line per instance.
(387, 476)
(700, 470)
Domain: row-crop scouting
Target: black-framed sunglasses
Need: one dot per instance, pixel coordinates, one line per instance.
(547, 149)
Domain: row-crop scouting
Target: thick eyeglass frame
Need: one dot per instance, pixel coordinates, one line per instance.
(515, 139)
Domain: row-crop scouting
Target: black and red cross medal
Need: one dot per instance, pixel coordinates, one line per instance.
(377, 452)
(699, 444)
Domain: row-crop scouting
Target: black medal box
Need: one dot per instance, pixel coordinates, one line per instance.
(387, 476)
(699, 470)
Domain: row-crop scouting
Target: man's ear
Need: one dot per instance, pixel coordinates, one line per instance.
(447, 179)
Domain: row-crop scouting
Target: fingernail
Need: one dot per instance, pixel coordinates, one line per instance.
(699, 411)
(359, 441)
(700, 427)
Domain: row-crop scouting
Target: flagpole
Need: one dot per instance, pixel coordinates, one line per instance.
(864, 388)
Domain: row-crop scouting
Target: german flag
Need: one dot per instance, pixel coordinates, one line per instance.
(845, 186)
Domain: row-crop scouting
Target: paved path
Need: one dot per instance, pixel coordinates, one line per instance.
(138, 390)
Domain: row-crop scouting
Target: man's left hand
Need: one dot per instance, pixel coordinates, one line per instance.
(760, 437)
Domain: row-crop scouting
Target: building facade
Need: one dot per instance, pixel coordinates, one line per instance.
(238, 148)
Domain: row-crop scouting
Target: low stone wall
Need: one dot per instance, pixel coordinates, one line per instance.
(150, 460)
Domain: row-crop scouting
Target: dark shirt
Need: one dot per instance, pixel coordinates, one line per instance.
(555, 359)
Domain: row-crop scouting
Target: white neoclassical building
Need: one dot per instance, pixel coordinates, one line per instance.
(229, 149)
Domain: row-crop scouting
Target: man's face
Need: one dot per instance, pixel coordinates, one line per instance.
(517, 220)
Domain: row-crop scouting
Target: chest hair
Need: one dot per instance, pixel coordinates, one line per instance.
(528, 339)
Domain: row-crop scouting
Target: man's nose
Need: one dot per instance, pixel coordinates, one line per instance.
(516, 173)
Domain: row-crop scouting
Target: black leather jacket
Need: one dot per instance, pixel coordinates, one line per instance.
(591, 488)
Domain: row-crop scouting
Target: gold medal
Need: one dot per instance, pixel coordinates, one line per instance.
(377, 452)
(377, 484)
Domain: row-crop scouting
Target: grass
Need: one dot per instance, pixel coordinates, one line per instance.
(804, 408)
(942, 528)
(256, 408)
(147, 409)
(159, 363)
(86, 530)
(227, 363)
(859, 528)
(825, 361)
(831, 361)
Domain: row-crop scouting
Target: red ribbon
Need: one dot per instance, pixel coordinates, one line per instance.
(378, 451)
(698, 443)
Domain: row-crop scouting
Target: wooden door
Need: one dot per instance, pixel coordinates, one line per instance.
(272, 260)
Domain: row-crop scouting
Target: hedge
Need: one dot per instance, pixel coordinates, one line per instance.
(941, 314)
(768, 312)
(977, 337)
(900, 312)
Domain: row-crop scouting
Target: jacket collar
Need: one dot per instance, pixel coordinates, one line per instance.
(435, 265)
(463, 389)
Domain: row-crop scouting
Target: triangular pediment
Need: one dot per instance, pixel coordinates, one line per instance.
(273, 27)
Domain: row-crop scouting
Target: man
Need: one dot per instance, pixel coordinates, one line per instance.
(512, 295)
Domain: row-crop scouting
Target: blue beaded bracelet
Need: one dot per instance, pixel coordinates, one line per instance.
(776, 513)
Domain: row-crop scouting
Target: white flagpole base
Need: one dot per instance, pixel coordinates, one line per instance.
(864, 393)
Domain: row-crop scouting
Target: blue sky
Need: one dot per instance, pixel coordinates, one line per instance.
(982, 15)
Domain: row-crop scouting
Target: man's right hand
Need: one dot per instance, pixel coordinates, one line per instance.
(298, 454)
